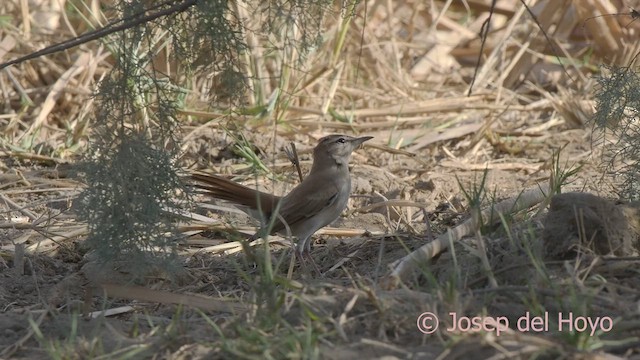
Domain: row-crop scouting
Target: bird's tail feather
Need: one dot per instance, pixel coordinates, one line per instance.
(224, 189)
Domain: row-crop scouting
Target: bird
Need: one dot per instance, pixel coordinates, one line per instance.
(313, 204)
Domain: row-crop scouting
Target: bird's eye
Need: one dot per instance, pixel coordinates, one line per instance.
(341, 140)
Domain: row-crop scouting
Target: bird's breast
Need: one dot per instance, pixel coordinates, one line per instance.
(342, 191)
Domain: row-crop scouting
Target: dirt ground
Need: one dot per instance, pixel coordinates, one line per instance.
(470, 105)
(52, 293)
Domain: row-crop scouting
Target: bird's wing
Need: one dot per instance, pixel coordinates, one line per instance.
(297, 207)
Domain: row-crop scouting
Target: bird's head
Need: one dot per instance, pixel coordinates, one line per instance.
(337, 148)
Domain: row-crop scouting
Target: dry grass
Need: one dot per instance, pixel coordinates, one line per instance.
(400, 71)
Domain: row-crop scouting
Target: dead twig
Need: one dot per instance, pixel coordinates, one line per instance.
(404, 267)
(293, 157)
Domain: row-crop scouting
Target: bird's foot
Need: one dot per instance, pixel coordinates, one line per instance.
(306, 258)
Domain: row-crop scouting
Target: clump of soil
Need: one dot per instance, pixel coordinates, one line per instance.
(588, 222)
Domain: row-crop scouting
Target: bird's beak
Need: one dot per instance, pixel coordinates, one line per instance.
(357, 142)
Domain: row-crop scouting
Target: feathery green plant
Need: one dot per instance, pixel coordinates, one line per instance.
(617, 111)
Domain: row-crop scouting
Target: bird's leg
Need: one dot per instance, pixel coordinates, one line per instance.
(308, 251)
(302, 261)
(303, 253)
(307, 254)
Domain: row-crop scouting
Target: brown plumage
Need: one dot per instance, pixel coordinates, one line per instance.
(316, 202)
(225, 189)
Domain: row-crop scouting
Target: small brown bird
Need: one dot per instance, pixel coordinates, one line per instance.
(316, 202)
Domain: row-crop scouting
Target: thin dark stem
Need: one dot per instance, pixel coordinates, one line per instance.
(110, 28)
(294, 159)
